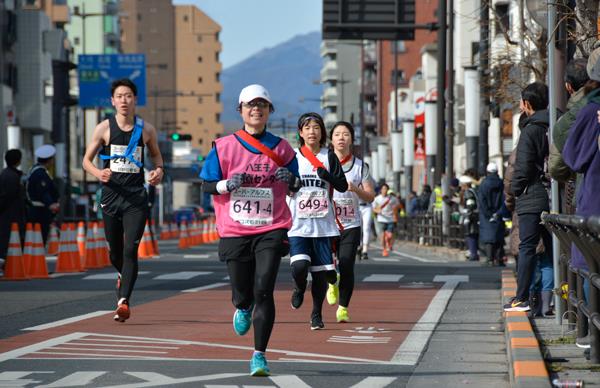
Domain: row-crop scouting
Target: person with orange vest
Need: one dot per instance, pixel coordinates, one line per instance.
(249, 174)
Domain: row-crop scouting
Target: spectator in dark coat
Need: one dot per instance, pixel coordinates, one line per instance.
(12, 199)
(411, 204)
(491, 226)
(530, 187)
(424, 199)
(581, 153)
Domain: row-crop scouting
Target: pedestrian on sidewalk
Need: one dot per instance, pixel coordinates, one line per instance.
(122, 139)
(581, 153)
(12, 199)
(315, 223)
(530, 186)
(41, 191)
(249, 174)
(491, 225)
(385, 206)
(360, 189)
(469, 216)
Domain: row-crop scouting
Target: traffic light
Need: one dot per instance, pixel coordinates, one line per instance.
(181, 137)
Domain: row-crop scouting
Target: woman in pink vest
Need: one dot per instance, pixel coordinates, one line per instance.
(249, 174)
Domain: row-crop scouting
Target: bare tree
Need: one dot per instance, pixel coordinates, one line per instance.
(586, 22)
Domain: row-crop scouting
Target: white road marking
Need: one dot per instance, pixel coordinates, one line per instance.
(76, 379)
(375, 382)
(69, 320)
(184, 275)
(109, 276)
(288, 381)
(385, 259)
(16, 353)
(208, 287)
(411, 349)
(383, 278)
(359, 339)
(200, 256)
(156, 379)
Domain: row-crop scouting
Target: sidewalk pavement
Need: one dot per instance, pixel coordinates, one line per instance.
(541, 352)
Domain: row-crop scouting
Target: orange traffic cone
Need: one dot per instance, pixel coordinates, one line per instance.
(183, 238)
(67, 260)
(101, 245)
(164, 232)
(28, 247)
(174, 230)
(90, 259)
(52, 246)
(81, 239)
(38, 269)
(13, 267)
(145, 247)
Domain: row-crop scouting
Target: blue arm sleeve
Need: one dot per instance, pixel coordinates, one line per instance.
(293, 167)
(211, 171)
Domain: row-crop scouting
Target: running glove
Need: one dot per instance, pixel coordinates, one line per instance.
(283, 174)
(235, 182)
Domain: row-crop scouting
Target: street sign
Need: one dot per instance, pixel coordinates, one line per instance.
(97, 72)
(369, 19)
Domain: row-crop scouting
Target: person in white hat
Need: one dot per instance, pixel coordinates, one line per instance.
(41, 191)
(249, 174)
(124, 202)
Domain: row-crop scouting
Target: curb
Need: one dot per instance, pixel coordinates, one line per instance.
(526, 364)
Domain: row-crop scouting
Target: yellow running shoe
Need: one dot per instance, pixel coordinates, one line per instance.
(342, 314)
(333, 292)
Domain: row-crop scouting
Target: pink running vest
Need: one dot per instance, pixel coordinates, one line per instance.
(258, 206)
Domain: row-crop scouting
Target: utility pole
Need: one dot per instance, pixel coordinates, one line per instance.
(441, 100)
(484, 89)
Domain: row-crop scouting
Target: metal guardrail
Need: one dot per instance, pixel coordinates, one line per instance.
(585, 234)
(427, 229)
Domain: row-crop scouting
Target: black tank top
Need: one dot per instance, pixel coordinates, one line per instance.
(126, 176)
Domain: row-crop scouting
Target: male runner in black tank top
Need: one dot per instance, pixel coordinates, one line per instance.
(124, 199)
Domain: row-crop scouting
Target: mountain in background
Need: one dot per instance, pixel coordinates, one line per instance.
(290, 71)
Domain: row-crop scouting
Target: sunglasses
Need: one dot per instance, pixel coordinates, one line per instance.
(257, 104)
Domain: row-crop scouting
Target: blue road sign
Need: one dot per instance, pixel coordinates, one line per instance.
(97, 72)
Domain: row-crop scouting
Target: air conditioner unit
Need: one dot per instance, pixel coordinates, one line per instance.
(32, 4)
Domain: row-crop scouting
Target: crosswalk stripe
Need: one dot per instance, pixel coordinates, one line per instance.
(383, 278)
(109, 276)
(184, 275)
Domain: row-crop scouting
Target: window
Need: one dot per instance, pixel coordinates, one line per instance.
(502, 18)
(76, 41)
(199, 80)
(199, 59)
(199, 100)
(217, 56)
(400, 46)
(185, 18)
(60, 2)
(218, 77)
(139, 17)
(217, 36)
(218, 97)
(200, 120)
(199, 38)
(200, 141)
(401, 76)
(218, 117)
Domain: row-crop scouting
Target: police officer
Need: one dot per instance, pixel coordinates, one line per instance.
(41, 190)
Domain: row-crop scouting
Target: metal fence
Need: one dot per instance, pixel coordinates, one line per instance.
(427, 229)
(585, 234)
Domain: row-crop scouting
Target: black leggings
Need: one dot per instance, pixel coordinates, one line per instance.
(318, 289)
(253, 282)
(347, 246)
(123, 234)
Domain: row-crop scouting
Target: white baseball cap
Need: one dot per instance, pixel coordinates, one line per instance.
(465, 179)
(252, 92)
(492, 167)
(45, 151)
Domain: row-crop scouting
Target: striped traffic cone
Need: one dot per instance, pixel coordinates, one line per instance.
(145, 246)
(52, 246)
(101, 245)
(28, 247)
(38, 269)
(81, 240)
(183, 238)
(67, 260)
(13, 267)
(90, 259)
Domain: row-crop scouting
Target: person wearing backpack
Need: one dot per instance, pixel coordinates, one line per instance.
(530, 186)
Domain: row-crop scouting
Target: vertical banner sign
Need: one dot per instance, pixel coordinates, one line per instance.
(419, 100)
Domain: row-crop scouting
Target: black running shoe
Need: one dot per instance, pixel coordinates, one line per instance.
(297, 298)
(365, 256)
(316, 322)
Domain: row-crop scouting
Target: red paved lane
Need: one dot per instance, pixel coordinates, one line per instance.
(198, 326)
